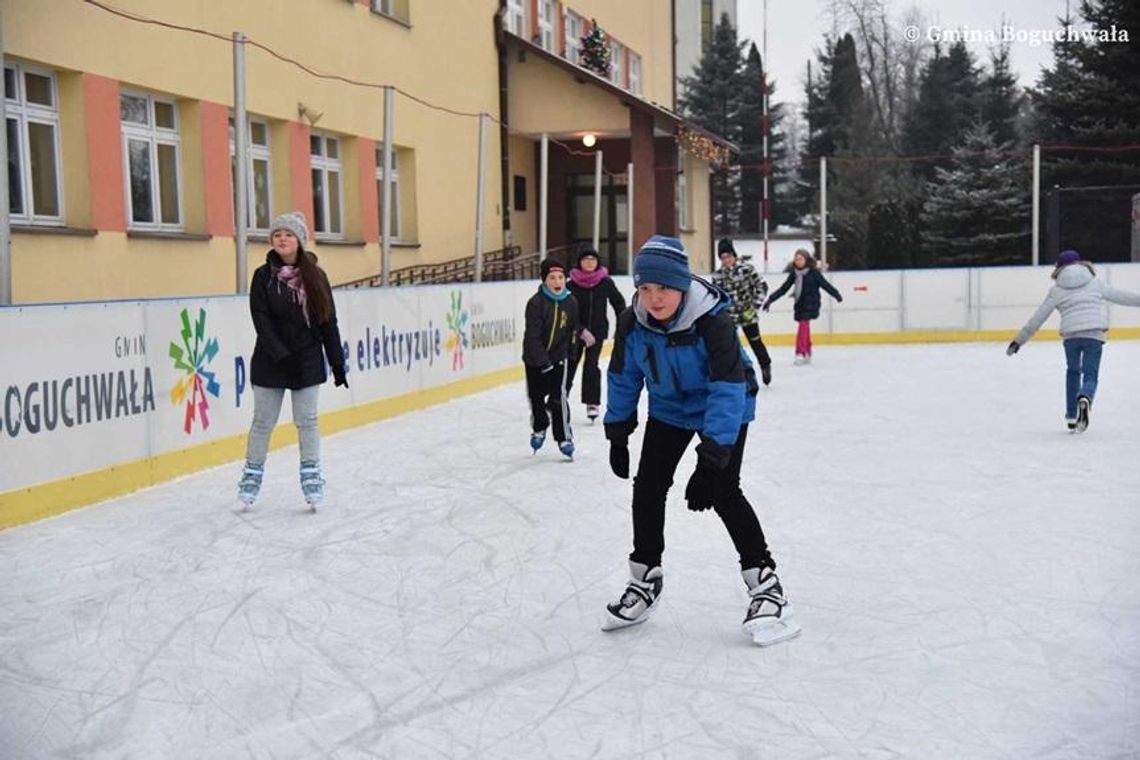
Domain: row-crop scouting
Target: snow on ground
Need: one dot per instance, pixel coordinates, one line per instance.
(964, 570)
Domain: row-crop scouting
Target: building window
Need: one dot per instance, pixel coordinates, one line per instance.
(520, 193)
(324, 155)
(259, 201)
(573, 25)
(706, 24)
(397, 9)
(32, 115)
(634, 73)
(515, 20)
(546, 24)
(151, 154)
(395, 217)
(617, 58)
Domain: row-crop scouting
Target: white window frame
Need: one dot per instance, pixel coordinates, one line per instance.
(18, 109)
(396, 228)
(324, 164)
(255, 152)
(154, 136)
(546, 15)
(683, 211)
(634, 73)
(515, 19)
(572, 23)
(617, 63)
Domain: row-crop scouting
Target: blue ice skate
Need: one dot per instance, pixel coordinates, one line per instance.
(312, 484)
(567, 449)
(537, 439)
(250, 484)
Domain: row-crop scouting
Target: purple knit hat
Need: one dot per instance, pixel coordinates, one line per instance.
(1067, 257)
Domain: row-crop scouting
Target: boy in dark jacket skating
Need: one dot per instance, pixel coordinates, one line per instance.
(678, 341)
(550, 340)
(804, 276)
(741, 281)
(593, 288)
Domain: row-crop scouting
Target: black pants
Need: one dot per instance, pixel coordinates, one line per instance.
(752, 333)
(661, 451)
(591, 373)
(547, 394)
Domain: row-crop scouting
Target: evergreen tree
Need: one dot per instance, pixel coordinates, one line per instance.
(977, 210)
(947, 105)
(751, 130)
(711, 99)
(1001, 98)
(1091, 99)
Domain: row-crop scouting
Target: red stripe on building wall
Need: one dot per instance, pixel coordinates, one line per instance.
(104, 153)
(533, 20)
(369, 210)
(560, 29)
(301, 184)
(216, 169)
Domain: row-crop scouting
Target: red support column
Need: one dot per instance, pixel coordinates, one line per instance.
(104, 153)
(300, 167)
(644, 184)
(216, 169)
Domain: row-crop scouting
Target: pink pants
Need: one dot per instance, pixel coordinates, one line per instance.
(803, 337)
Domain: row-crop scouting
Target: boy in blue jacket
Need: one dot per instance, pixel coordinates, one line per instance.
(679, 342)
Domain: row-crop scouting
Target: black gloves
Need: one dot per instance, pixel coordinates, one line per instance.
(618, 435)
(839, 298)
(1012, 348)
(619, 457)
(711, 459)
(339, 376)
(699, 491)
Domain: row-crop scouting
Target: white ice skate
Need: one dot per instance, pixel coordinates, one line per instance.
(250, 484)
(1083, 406)
(769, 619)
(312, 484)
(638, 600)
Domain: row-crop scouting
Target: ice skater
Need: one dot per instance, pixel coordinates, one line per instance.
(294, 317)
(679, 342)
(805, 277)
(1082, 300)
(593, 288)
(741, 281)
(549, 342)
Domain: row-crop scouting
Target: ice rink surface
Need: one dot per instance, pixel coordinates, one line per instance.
(965, 571)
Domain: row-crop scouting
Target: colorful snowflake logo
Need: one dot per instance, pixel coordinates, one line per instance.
(198, 382)
(457, 322)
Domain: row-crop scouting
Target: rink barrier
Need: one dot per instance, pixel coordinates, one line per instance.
(132, 366)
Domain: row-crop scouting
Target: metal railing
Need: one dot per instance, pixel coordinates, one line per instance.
(499, 265)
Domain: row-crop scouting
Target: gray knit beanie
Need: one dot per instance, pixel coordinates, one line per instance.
(292, 221)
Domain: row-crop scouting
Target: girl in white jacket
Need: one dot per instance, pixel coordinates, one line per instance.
(1081, 299)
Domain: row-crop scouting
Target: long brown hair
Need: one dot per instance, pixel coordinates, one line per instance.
(318, 296)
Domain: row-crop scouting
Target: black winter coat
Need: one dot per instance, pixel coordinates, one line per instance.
(551, 332)
(592, 305)
(288, 352)
(807, 305)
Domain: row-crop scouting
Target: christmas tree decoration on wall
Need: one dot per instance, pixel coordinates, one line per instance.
(596, 50)
(702, 146)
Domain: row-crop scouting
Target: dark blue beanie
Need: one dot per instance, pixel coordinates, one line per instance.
(1067, 257)
(663, 261)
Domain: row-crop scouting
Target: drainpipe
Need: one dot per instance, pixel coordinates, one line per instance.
(504, 130)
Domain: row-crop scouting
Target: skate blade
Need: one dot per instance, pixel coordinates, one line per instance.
(766, 632)
(612, 622)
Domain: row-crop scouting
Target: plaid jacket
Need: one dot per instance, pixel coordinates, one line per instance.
(746, 287)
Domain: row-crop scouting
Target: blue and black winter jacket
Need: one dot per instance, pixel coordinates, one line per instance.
(694, 367)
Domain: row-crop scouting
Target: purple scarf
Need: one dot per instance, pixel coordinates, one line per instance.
(291, 276)
(588, 279)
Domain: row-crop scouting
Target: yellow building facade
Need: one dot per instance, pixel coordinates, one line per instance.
(121, 147)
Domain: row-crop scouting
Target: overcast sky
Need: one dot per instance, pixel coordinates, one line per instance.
(796, 29)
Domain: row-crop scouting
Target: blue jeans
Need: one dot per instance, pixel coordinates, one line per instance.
(1082, 359)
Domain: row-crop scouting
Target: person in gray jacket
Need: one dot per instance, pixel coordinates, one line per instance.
(1081, 299)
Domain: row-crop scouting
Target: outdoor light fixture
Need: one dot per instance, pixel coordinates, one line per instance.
(589, 140)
